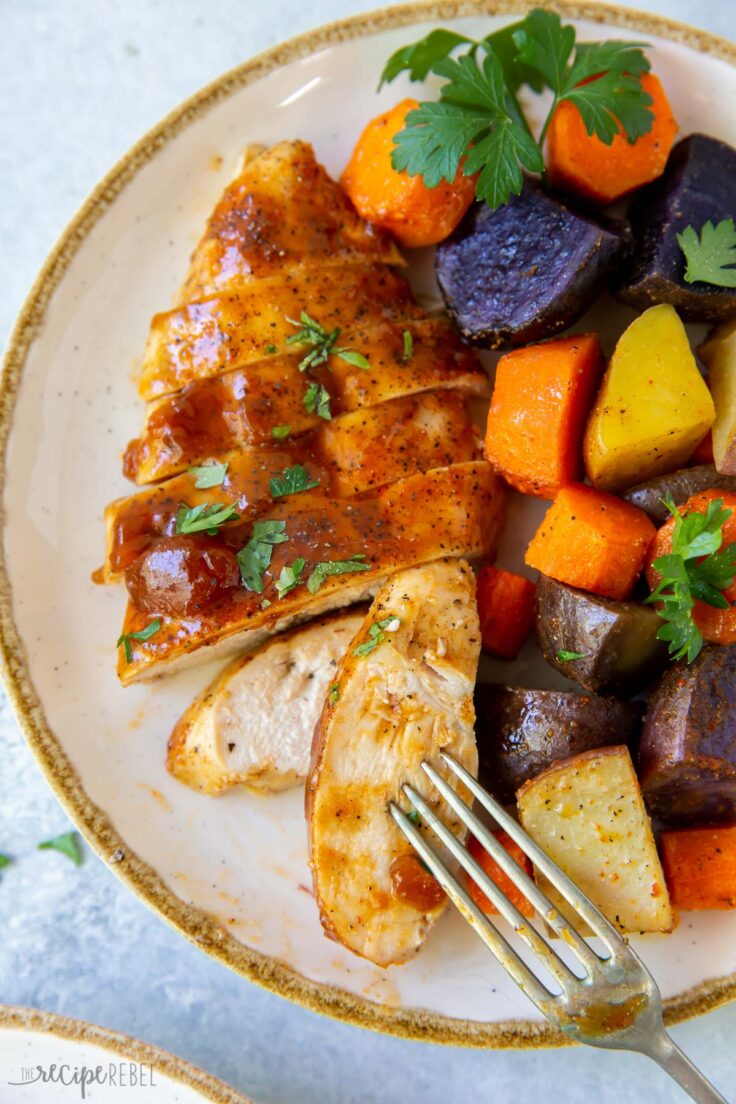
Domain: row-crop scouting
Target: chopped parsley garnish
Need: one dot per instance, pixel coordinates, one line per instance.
(207, 517)
(696, 568)
(321, 571)
(334, 693)
(377, 634)
(271, 349)
(317, 400)
(255, 557)
(322, 344)
(414, 817)
(265, 603)
(711, 256)
(408, 347)
(478, 117)
(279, 432)
(209, 475)
(142, 634)
(290, 576)
(66, 844)
(292, 481)
(567, 657)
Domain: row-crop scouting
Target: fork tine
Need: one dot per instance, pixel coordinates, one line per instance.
(546, 954)
(527, 981)
(574, 896)
(584, 952)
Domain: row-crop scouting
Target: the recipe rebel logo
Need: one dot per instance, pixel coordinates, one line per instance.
(80, 1081)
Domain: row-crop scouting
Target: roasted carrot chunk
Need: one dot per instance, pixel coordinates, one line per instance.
(593, 541)
(496, 874)
(718, 626)
(541, 399)
(404, 205)
(581, 163)
(505, 610)
(700, 867)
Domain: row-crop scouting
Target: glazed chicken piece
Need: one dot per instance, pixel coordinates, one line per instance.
(404, 693)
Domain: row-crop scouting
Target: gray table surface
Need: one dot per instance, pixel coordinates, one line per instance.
(83, 79)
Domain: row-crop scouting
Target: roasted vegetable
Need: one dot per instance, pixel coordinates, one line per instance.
(593, 541)
(402, 204)
(679, 486)
(607, 647)
(653, 406)
(496, 874)
(700, 867)
(526, 270)
(719, 355)
(587, 813)
(522, 732)
(406, 693)
(505, 610)
(698, 185)
(687, 761)
(541, 398)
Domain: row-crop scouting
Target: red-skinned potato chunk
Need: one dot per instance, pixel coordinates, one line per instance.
(581, 163)
(592, 541)
(415, 214)
(541, 399)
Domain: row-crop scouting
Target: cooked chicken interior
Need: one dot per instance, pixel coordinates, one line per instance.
(405, 691)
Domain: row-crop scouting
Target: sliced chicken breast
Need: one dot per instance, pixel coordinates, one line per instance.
(253, 725)
(404, 692)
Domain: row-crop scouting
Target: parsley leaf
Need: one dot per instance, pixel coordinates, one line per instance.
(293, 480)
(711, 256)
(351, 357)
(322, 344)
(279, 432)
(290, 576)
(317, 400)
(414, 817)
(335, 567)
(255, 557)
(408, 346)
(567, 657)
(5, 860)
(685, 577)
(377, 634)
(143, 634)
(334, 693)
(66, 844)
(420, 58)
(209, 475)
(207, 517)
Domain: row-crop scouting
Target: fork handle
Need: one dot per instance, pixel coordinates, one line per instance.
(668, 1055)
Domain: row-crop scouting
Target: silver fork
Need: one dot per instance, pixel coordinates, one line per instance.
(616, 1004)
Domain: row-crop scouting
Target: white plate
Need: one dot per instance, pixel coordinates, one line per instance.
(47, 1059)
(232, 873)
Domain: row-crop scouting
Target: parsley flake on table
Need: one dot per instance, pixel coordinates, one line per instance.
(290, 576)
(255, 557)
(696, 568)
(66, 844)
(321, 571)
(5, 860)
(293, 480)
(279, 432)
(317, 400)
(478, 117)
(208, 475)
(143, 634)
(710, 257)
(207, 517)
(377, 634)
(322, 344)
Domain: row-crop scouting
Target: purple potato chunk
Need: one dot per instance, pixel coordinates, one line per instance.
(687, 759)
(526, 270)
(697, 186)
(680, 486)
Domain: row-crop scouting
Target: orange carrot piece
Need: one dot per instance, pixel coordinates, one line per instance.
(415, 214)
(593, 541)
(718, 626)
(541, 399)
(496, 874)
(700, 867)
(505, 610)
(583, 164)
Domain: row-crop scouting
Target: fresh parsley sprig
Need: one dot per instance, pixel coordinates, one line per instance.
(322, 344)
(478, 122)
(697, 568)
(143, 634)
(292, 481)
(710, 256)
(255, 557)
(205, 518)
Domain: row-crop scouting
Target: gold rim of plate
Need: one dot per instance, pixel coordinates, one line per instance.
(132, 1050)
(95, 825)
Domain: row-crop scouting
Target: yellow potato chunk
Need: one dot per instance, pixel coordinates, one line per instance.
(653, 406)
(719, 356)
(587, 813)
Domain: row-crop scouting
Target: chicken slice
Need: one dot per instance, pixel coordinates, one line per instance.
(454, 511)
(398, 703)
(281, 211)
(253, 725)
